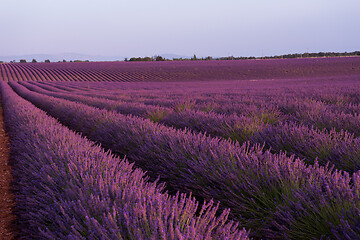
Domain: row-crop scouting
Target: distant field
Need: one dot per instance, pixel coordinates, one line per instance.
(181, 71)
(276, 143)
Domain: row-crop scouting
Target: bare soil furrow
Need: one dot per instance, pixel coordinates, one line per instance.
(7, 199)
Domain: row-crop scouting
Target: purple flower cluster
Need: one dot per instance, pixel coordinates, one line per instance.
(274, 195)
(69, 188)
(338, 148)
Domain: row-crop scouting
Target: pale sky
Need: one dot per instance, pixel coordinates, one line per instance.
(184, 27)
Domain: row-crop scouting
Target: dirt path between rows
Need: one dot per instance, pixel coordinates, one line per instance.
(7, 201)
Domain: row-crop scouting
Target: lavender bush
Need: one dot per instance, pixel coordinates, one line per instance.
(338, 148)
(69, 188)
(275, 196)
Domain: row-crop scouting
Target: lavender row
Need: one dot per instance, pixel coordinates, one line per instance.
(63, 86)
(274, 106)
(316, 114)
(171, 114)
(340, 149)
(273, 195)
(69, 188)
(174, 98)
(234, 88)
(220, 101)
(136, 109)
(276, 109)
(182, 70)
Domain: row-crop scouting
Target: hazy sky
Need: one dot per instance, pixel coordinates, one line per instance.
(185, 27)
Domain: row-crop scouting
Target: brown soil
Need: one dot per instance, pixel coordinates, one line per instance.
(7, 201)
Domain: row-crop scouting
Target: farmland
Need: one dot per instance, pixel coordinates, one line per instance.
(267, 149)
(180, 71)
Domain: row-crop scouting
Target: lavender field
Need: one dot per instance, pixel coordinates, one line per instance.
(181, 70)
(265, 149)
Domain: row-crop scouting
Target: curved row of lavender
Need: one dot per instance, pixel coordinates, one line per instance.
(181, 71)
(69, 188)
(275, 196)
(302, 108)
(323, 105)
(333, 110)
(340, 149)
(236, 97)
(243, 101)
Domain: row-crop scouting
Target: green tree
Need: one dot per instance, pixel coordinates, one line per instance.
(159, 58)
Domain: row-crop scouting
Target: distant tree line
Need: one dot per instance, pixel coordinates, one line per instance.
(160, 58)
(24, 61)
(294, 55)
(146, 59)
(195, 58)
(297, 55)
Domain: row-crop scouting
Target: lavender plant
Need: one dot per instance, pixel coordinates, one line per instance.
(275, 196)
(338, 148)
(69, 188)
